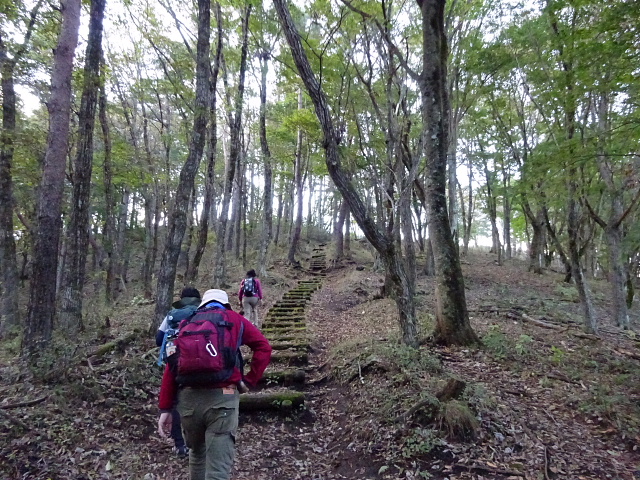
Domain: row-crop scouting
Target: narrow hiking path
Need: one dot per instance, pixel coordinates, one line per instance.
(308, 444)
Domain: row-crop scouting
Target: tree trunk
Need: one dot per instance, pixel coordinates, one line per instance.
(299, 188)
(177, 220)
(573, 214)
(338, 235)
(452, 318)
(573, 225)
(267, 226)
(538, 241)
(506, 217)
(220, 264)
(493, 210)
(119, 255)
(239, 195)
(42, 295)
(185, 250)
(109, 229)
(9, 310)
(392, 258)
(151, 199)
(209, 186)
(78, 236)
(613, 228)
(347, 234)
(279, 214)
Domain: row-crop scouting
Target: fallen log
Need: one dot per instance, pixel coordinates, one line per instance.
(279, 330)
(283, 356)
(280, 401)
(270, 325)
(291, 357)
(488, 469)
(287, 337)
(539, 323)
(627, 353)
(117, 344)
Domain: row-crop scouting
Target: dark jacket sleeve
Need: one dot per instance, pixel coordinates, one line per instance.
(159, 338)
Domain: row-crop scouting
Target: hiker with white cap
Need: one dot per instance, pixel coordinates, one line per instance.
(204, 373)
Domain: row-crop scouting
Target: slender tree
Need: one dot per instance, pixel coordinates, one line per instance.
(42, 296)
(109, 229)
(452, 318)
(78, 232)
(209, 186)
(386, 248)
(9, 313)
(220, 263)
(298, 181)
(179, 211)
(267, 227)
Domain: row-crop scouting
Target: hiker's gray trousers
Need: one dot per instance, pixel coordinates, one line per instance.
(209, 422)
(250, 307)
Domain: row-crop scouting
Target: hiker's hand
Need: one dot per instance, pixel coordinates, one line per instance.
(242, 387)
(164, 424)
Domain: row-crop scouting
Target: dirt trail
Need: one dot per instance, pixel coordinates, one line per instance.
(312, 444)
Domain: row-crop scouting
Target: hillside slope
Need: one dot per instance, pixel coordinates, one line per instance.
(541, 401)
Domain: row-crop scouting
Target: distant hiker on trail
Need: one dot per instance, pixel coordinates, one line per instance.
(249, 295)
(205, 376)
(186, 306)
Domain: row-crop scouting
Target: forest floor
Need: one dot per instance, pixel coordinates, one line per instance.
(542, 401)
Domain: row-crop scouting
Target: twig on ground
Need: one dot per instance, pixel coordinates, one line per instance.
(24, 404)
(551, 417)
(546, 463)
(627, 353)
(488, 469)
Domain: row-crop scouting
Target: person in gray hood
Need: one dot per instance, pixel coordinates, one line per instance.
(188, 303)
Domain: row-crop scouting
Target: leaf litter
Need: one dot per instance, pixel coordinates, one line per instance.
(549, 404)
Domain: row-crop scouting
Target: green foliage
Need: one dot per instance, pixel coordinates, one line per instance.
(557, 355)
(419, 442)
(496, 341)
(567, 292)
(522, 346)
(477, 395)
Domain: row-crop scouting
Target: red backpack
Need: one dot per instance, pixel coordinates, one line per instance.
(207, 348)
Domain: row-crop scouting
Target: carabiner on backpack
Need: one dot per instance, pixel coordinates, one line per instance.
(211, 349)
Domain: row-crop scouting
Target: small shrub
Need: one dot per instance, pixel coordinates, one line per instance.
(420, 442)
(523, 344)
(496, 341)
(567, 292)
(557, 355)
(479, 397)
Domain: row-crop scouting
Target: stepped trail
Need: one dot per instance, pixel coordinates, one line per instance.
(307, 445)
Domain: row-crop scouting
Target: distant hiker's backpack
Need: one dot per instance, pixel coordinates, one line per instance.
(207, 349)
(250, 288)
(174, 317)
